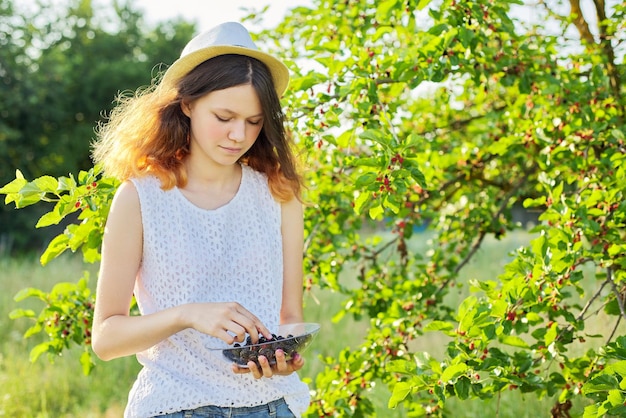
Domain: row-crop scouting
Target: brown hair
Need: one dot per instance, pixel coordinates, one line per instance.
(147, 131)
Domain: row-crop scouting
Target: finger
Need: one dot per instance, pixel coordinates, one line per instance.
(225, 336)
(266, 369)
(239, 370)
(264, 330)
(238, 332)
(281, 362)
(254, 370)
(297, 362)
(252, 324)
(246, 324)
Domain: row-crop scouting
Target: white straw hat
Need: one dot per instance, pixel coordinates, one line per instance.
(227, 38)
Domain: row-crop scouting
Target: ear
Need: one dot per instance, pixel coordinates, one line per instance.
(186, 108)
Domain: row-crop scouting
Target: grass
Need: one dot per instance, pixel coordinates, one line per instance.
(60, 390)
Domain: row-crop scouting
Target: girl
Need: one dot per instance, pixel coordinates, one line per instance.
(206, 231)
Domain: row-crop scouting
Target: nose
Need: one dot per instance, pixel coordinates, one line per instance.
(237, 132)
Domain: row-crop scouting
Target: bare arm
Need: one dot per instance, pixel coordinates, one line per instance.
(293, 245)
(291, 310)
(115, 332)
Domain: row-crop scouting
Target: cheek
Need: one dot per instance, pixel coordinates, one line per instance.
(254, 133)
(205, 128)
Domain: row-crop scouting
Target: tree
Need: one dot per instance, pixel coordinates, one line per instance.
(448, 115)
(61, 68)
(515, 116)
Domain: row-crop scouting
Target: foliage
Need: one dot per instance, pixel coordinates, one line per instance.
(68, 307)
(449, 116)
(60, 69)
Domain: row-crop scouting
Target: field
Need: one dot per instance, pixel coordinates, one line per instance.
(60, 390)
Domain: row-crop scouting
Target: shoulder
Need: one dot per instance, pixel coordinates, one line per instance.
(126, 197)
(145, 181)
(253, 174)
(257, 182)
(125, 212)
(292, 211)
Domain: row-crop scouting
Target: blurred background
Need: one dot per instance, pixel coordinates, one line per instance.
(62, 62)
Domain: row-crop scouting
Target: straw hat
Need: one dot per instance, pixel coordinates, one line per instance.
(227, 38)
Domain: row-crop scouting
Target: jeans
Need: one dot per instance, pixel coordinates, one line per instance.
(274, 409)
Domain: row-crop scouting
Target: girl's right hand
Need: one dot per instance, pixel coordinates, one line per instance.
(228, 321)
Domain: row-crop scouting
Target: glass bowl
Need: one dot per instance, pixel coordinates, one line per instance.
(291, 338)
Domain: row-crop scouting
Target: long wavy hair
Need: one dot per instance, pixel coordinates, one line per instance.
(147, 131)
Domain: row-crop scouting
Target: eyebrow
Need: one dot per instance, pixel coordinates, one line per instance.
(232, 112)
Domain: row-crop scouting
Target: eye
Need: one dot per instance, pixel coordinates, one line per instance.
(255, 122)
(222, 119)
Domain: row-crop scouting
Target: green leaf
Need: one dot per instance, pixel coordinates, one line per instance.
(452, 372)
(591, 411)
(498, 308)
(462, 387)
(513, 340)
(439, 326)
(87, 362)
(34, 330)
(365, 180)
(62, 288)
(307, 81)
(38, 350)
(601, 383)
(376, 212)
(422, 4)
(375, 136)
(540, 246)
(400, 391)
(617, 367)
(418, 176)
(617, 134)
(437, 30)
(57, 246)
(21, 313)
(366, 162)
(615, 397)
(50, 218)
(29, 292)
(12, 189)
(391, 204)
(46, 183)
(551, 334)
(384, 10)
(360, 202)
(467, 305)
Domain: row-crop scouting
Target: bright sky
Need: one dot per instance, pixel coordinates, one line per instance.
(210, 13)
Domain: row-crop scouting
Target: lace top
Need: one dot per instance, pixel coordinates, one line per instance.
(233, 253)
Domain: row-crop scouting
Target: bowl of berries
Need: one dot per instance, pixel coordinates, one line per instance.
(290, 338)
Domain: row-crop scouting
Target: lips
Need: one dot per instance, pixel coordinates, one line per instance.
(232, 150)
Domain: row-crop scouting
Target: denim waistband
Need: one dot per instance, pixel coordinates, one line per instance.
(269, 409)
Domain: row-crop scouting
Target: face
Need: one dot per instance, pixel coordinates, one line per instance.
(224, 124)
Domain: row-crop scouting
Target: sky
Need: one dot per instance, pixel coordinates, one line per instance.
(210, 13)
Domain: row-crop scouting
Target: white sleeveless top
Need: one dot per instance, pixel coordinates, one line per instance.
(233, 253)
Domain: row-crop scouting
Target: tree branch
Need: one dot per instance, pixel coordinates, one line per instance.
(619, 319)
(605, 41)
(618, 295)
(579, 21)
(478, 242)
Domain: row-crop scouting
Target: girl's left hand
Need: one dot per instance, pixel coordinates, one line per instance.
(282, 366)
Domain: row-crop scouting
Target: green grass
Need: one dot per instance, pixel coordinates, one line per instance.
(60, 390)
(51, 390)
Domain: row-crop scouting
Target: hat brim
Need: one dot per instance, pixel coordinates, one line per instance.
(183, 65)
